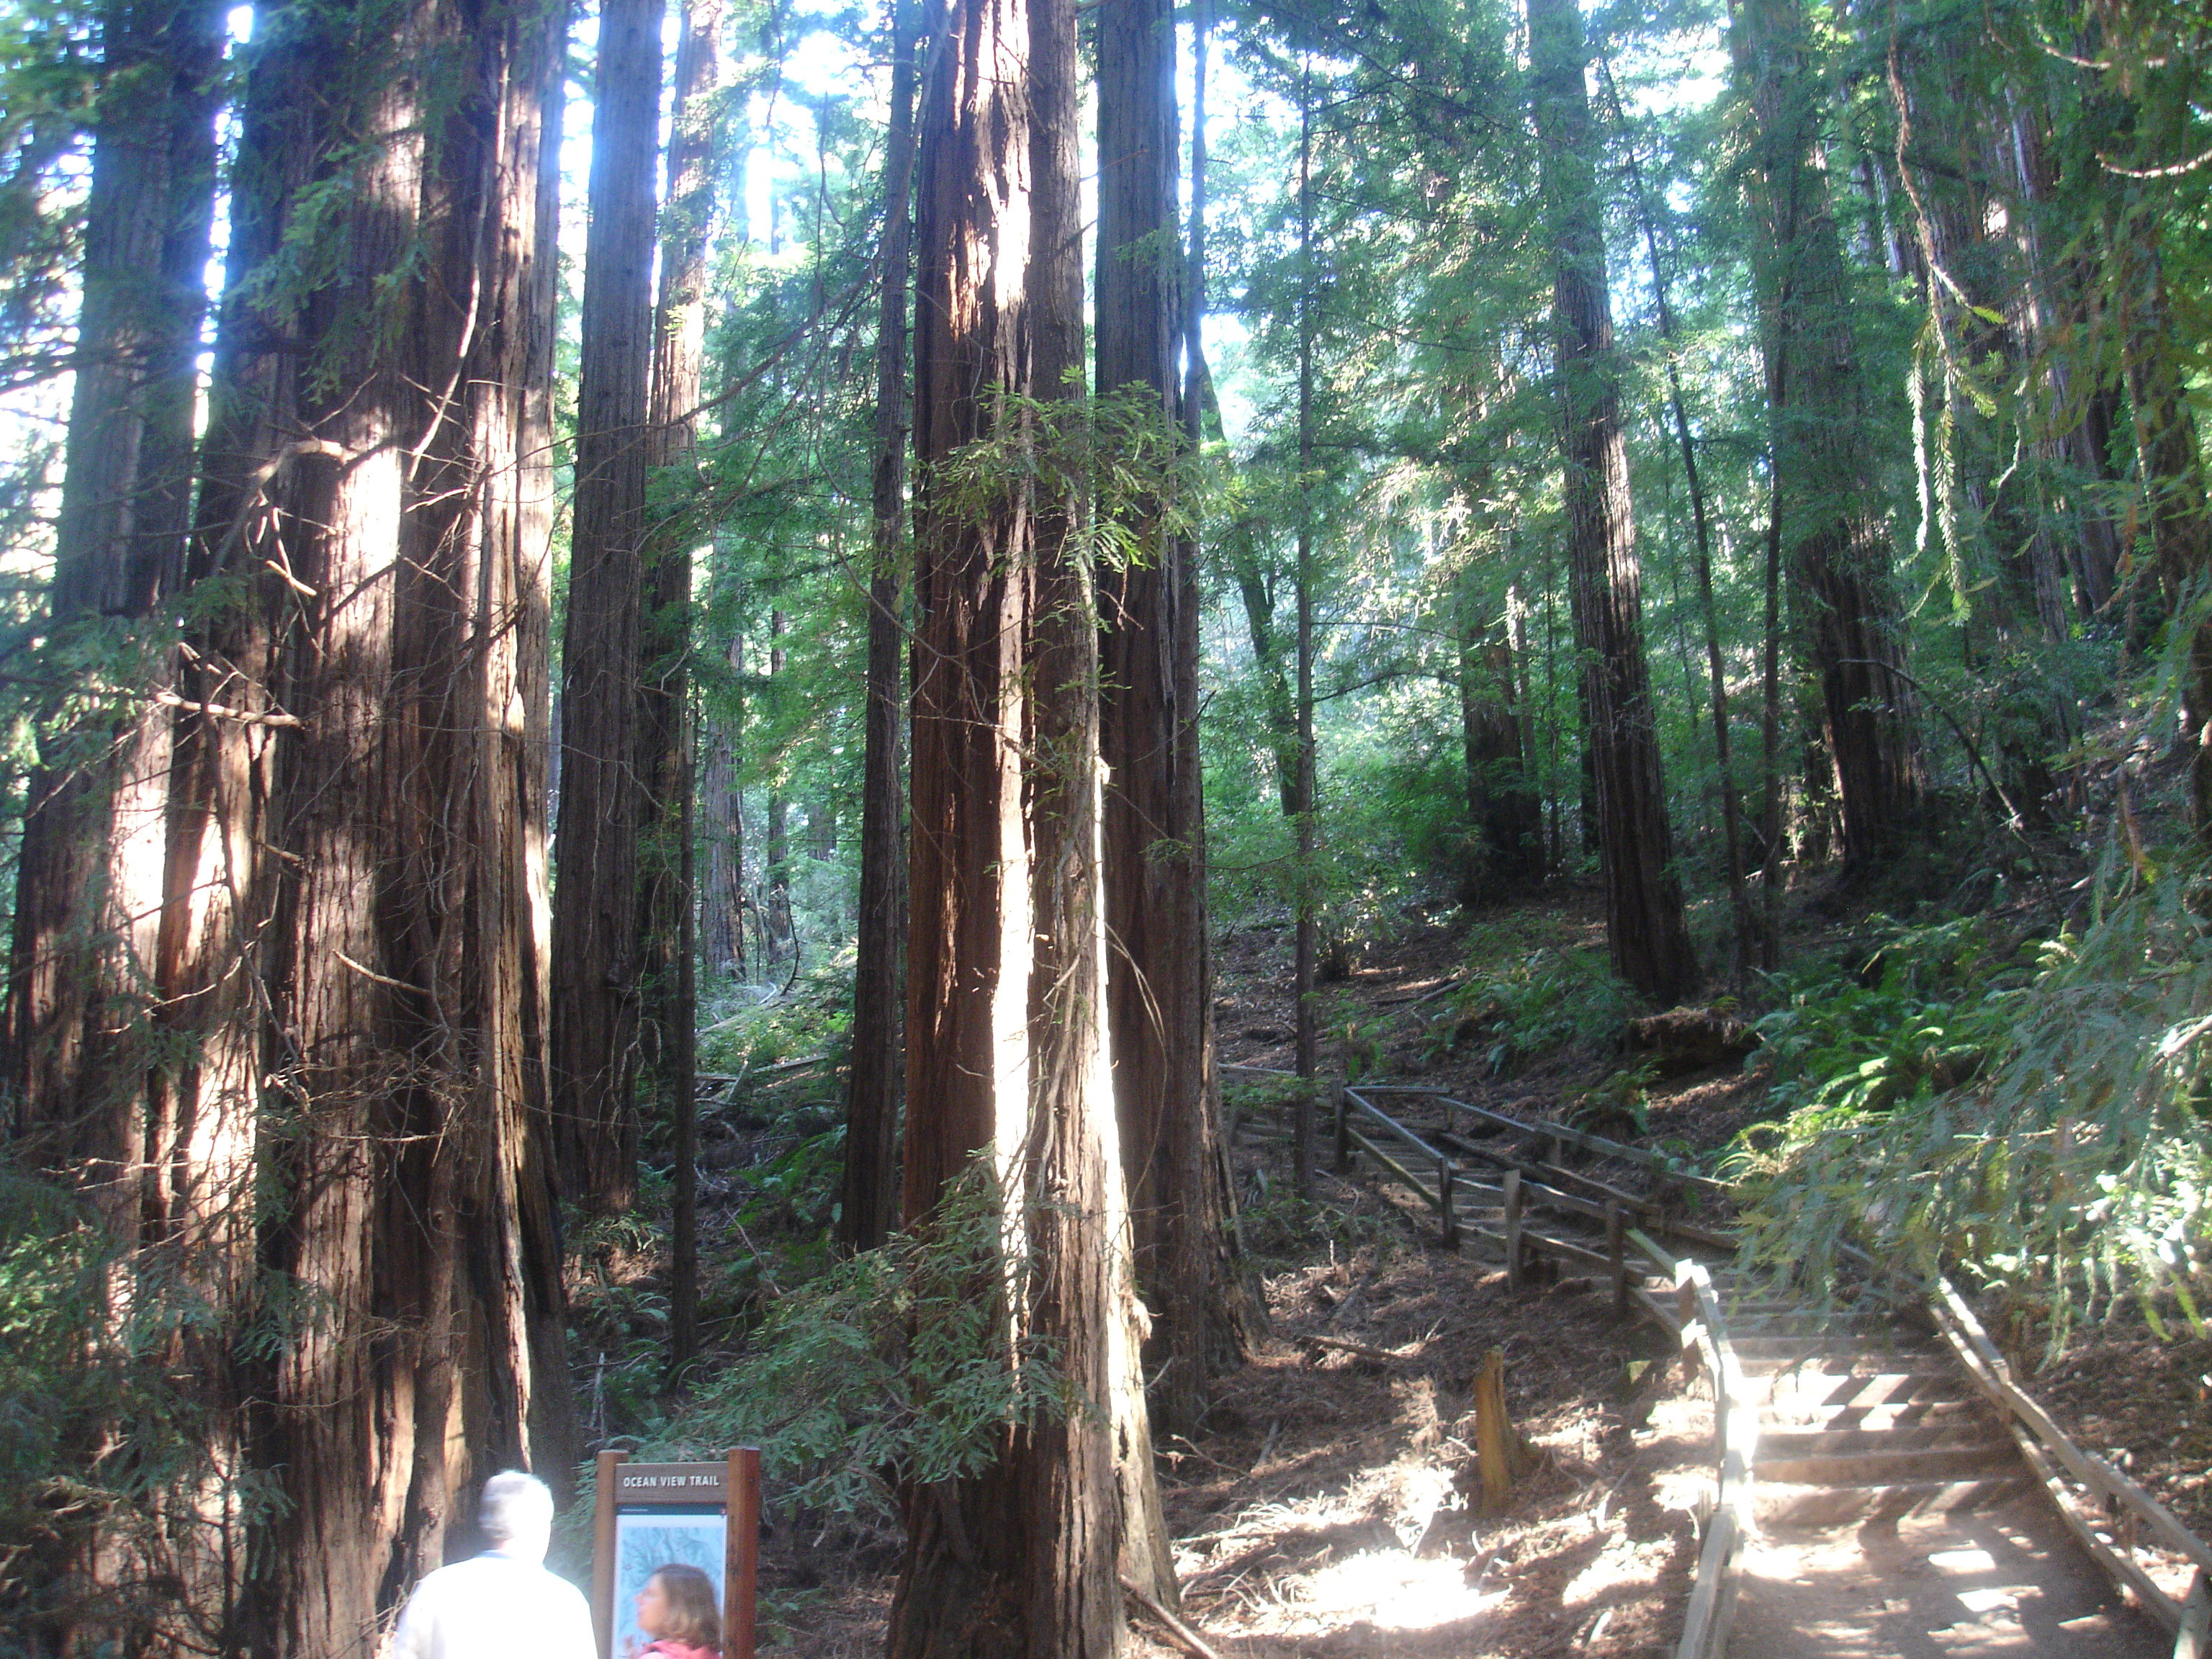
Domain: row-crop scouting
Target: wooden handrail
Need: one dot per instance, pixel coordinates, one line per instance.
(1735, 1427)
(2049, 1448)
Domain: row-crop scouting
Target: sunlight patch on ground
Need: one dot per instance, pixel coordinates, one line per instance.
(1394, 1590)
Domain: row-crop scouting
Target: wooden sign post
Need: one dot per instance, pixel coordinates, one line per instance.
(700, 1515)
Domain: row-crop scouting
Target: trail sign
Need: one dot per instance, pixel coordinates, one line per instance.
(649, 1515)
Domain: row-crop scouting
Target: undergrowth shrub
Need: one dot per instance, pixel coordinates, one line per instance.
(101, 1447)
(1526, 1000)
(889, 1366)
(2037, 1120)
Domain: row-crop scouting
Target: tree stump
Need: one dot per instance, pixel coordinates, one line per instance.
(1501, 1455)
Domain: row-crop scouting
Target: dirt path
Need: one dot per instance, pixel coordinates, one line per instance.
(2000, 1581)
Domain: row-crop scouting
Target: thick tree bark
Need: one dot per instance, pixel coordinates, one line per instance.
(779, 939)
(1304, 951)
(1747, 927)
(1006, 1048)
(1836, 544)
(352, 956)
(878, 1078)
(1156, 981)
(669, 912)
(81, 1029)
(1645, 923)
(722, 808)
(89, 886)
(2171, 467)
(1505, 841)
(598, 968)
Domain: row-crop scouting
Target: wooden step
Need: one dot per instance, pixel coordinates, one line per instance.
(1980, 1460)
(1775, 1503)
(1804, 1388)
(1844, 1440)
(1885, 1416)
(1764, 1356)
(1796, 1322)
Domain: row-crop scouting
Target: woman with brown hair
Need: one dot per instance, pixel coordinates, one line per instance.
(676, 1610)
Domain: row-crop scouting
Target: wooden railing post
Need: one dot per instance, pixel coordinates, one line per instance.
(1616, 1254)
(1446, 1211)
(2194, 1639)
(1512, 1185)
(1343, 1131)
(608, 1472)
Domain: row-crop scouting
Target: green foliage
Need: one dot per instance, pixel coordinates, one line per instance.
(99, 1434)
(1281, 1231)
(1527, 1000)
(892, 1366)
(1911, 1021)
(1114, 463)
(2069, 1168)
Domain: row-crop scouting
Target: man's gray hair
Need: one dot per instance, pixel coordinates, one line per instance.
(514, 1504)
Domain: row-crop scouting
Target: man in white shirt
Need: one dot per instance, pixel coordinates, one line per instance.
(503, 1604)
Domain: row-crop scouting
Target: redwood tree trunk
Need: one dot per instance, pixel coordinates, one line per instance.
(89, 884)
(722, 902)
(88, 896)
(1157, 983)
(669, 943)
(1836, 544)
(1504, 815)
(1644, 924)
(605, 808)
(878, 1075)
(1006, 1045)
(353, 955)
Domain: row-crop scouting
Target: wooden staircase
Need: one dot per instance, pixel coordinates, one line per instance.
(1860, 1416)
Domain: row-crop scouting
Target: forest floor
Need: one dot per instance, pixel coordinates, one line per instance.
(1322, 1506)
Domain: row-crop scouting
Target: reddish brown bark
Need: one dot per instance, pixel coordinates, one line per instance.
(1835, 543)
(89, 885)
(1158, 982)
(1644, 924)
(669, 909)
(1006, 1030)
(353, 953)
(870, 1207)
(598, 967)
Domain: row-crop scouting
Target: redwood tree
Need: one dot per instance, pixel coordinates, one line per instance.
(669, 912)
(1158, 983)
(598, 968)
(352, 957)
(871, 1190)
(1835, 541)
(1006, 1044)
(1644, 925)
(89, 885)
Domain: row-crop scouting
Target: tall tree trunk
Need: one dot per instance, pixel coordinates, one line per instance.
(1504, 815)
(1006, 1048)
(722, 904)
(1835, 541)
(89, 886)
(877, 1077)
(1747, 926)
(2172, 470)
(597, 967)
(1645, 923)
(782, 940)
(353, 958)
(1306, 1015)
(88, 896)
(1157, 996)
(669, 944)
